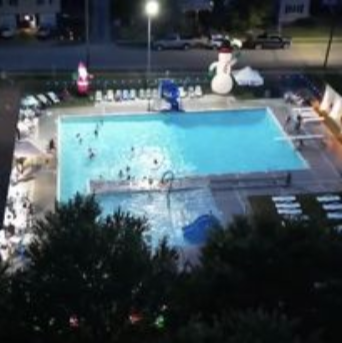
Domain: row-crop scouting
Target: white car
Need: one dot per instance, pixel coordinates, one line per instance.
(216, 41)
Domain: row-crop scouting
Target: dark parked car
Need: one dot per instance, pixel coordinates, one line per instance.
(46, 32)
(267, 41)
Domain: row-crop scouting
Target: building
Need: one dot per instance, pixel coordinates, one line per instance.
(292, 10)
(29, 13)
(195, 5)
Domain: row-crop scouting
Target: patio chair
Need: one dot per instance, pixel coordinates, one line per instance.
(43, 100)
(334, 215)
(287, 198)
(53, 97)
(332, 206)
(132, 94)
(198, 91)
(289, 211)
(141, 94)
(148, 93)
(98, 96)
(191, 91)
(155, 93)
(118, 95)
(110, 95)
(287, 205)
(328, 198)
(125, 95)
(182, 93)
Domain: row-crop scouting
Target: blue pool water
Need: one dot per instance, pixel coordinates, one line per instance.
(143, 147)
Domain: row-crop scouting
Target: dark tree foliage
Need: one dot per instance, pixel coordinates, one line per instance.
(87, 275)
(240, 327)
(293, 269)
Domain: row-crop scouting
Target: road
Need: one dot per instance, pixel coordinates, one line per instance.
(111, 57)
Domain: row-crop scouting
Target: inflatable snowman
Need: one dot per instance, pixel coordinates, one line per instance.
(222, 82)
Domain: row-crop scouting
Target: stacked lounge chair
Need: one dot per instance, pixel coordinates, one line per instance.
(288, 207)
(332, 205)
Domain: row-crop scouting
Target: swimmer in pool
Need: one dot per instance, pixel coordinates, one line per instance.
(91, 154)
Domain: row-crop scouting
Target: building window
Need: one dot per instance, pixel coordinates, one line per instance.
(300, 8)
(13, 2)
(294, 9)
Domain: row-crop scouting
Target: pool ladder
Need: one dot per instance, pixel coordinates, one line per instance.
(168, 177)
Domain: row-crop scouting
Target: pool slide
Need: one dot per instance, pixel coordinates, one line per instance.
(197, 231)
(169, 91)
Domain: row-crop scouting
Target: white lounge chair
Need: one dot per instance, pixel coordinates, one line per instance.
(313, 120)
(287, 198)
(148, 93)
(332, 206)
(110, 95)
(289, 205)
(182, 93)
(118, 95)
(98, 96)
(54, 98)
(334, 215)
(142, 94)
(132, 94)
(198, 91)
(191, 91)
(155, 93)
(290, 211)
(43, 99)
(328, 198)
(125, 95)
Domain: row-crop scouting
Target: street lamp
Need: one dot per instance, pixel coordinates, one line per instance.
(333, 7)
(86, 23)
(151, 10)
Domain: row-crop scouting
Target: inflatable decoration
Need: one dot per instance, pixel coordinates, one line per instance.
(83, 79)
(222, 82)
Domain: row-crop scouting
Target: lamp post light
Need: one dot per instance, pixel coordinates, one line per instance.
(86, 24)
(151, 10)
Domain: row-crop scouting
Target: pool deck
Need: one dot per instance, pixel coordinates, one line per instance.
(231, 192)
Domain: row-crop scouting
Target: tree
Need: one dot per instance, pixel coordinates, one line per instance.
(86, 275)
(292, 269)
(240, 327)
(246, 14)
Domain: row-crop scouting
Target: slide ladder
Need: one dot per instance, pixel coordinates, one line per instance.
(168, 178)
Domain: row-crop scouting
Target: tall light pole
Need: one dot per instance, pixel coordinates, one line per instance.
(151, 9)
(333, 6)
(86, 24)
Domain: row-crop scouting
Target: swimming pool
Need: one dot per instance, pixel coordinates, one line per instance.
(143, 147)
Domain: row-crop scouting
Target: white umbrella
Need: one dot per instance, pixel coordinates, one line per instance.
(248, 77)
(27, 149)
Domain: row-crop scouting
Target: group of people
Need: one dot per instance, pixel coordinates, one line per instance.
(91, 153)
(18, 220)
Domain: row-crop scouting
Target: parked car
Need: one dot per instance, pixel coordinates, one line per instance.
(174, 41)
(7, 32)
(217, 40)
(267, 41)
(45, 32)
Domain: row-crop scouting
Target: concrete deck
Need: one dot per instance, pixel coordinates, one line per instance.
(325, 160)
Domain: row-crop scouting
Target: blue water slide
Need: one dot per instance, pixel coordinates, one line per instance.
(170, 93)
(197, 231)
